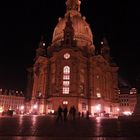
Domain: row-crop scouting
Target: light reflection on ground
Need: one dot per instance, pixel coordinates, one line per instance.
(46, 128)
(33, 120)
(20, 120)
(69, 138)
(98, 126)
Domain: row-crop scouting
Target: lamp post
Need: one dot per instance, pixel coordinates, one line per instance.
(22, 109)
(98, 108)
(118, 110)
(34, 108)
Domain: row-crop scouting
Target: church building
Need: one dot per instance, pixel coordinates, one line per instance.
(70, 72)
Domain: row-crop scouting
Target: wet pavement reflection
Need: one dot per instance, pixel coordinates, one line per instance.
(69, 138)
(46, 128)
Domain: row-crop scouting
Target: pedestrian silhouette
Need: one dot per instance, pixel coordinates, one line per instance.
(82, 114)
(59, 114)
(79, 115)
(73, 112)
(65, 111)
(87, 115)
(70, 113)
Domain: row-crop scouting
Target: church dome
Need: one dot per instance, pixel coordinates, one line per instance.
(82, 32)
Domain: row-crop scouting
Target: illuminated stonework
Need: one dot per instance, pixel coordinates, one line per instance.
(11, 100)
(66, 80)
(71, 72)
(127, 100)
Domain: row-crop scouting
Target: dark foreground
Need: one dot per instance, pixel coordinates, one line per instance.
(46, 128)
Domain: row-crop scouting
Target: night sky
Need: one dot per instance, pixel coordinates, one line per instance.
(22, 23)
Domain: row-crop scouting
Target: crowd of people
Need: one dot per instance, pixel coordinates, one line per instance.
(63, 114)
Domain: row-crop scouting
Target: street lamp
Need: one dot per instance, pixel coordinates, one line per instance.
(35, 106)
(22, 109)
(35, 109)
(118, 110)
(98, 107)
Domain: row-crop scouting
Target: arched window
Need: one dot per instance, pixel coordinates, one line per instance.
(66, 70)
(66, 80)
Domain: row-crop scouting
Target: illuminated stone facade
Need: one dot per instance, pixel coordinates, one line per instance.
(71, 72)
(11, 100)
(127, 100)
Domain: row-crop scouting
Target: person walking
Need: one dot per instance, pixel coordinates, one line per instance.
(79, 115)
(59, 114)
(65, 111)
(87, 115)
(82, 114)
(73, 112)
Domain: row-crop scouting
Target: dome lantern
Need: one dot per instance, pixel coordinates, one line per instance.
(73, 5)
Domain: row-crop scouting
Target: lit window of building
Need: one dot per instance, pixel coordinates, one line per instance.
(98, 95)
(66, 70)
(65, 90)
(66, 79)
(118, 91)
(133, 91)
(97, 77)
(65, 102)
(83, 106)
(66, 55)
(66, 83)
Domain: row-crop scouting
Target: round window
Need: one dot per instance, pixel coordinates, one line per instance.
(66, 55)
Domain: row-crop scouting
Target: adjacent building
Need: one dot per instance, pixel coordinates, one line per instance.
(127, 100)
(11, 100)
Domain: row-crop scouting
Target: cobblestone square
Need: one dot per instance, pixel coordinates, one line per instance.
(46, 128)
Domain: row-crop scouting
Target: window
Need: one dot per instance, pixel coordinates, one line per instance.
(66, 70)
(97, 76)
(66, 83)
(66, 55)
(66, 79)
(65, 90)
(83, 106)
(98, 95)
(65, 102)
